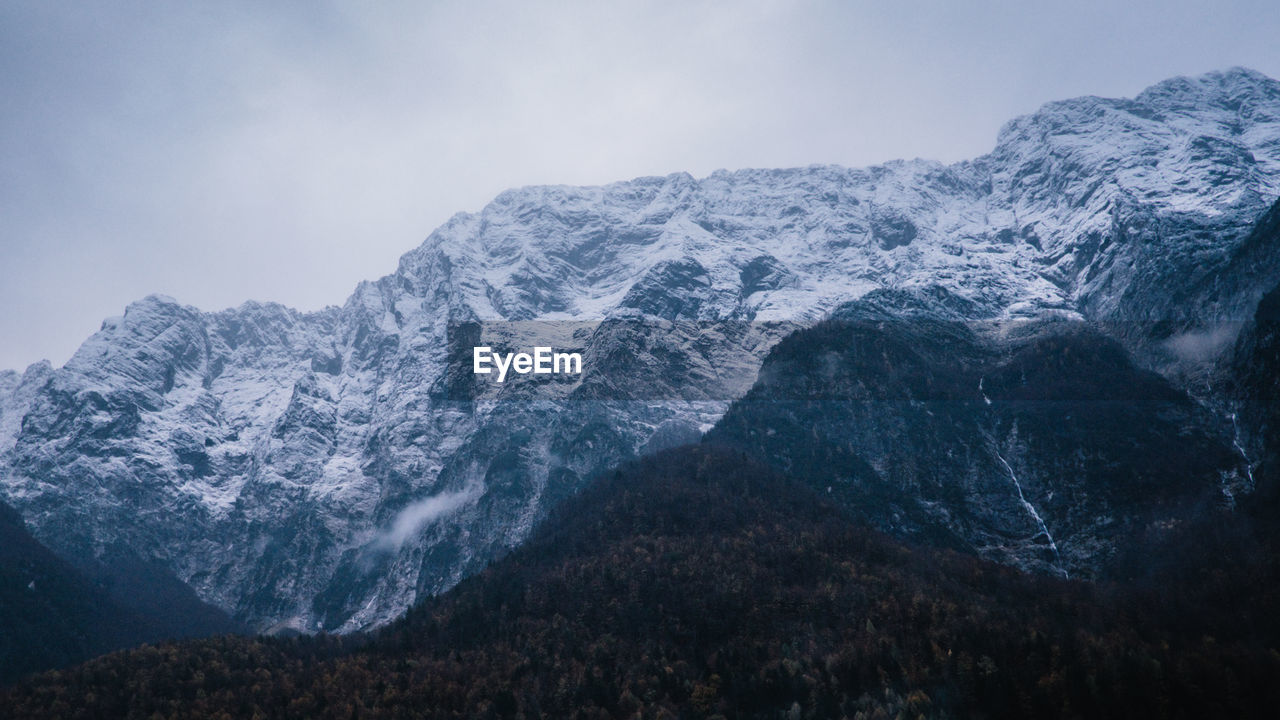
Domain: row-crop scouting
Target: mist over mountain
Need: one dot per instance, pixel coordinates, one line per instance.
(1047, 325)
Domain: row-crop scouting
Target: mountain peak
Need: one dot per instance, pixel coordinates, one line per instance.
(1233, 89)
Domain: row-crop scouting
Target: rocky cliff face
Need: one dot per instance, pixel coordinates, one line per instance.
(1254, 384)
(1036, 443)
(323, 470)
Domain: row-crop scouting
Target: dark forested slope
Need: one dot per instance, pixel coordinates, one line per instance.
(50, 614)
(54, 613)
(695, 584)
(1037, 444)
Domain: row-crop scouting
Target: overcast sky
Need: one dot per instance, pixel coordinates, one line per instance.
(225, 151)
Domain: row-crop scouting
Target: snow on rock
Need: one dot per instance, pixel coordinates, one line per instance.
(265, 454)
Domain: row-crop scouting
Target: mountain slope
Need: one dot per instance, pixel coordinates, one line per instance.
(1035, 444)
(324, 470)
(1256, 385)
(698, 584)
(54, 614)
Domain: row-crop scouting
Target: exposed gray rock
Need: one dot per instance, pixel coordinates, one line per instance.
(324, 470)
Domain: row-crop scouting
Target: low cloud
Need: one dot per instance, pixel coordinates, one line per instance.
(1199, 346)
(417, 515)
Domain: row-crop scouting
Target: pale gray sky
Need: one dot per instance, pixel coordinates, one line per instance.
(225, 151)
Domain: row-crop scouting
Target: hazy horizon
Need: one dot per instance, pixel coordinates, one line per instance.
(230, 152)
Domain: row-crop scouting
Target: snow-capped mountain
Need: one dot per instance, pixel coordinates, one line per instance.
(323, 470)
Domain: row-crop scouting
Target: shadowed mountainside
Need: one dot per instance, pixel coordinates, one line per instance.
(697, 583)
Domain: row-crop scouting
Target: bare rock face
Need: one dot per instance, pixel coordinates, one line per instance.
(1037, 444)
(323, 470)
